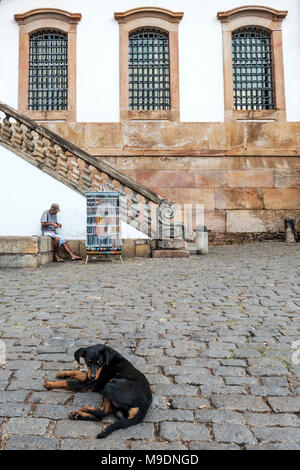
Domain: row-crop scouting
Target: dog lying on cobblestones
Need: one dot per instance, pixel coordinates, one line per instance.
(126, 391)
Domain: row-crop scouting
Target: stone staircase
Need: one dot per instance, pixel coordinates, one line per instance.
(142, 208)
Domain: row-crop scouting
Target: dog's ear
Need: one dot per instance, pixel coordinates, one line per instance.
(109, 354)
(79, 353)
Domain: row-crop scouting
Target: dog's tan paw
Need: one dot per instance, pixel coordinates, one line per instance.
(74, 415)
(61, 375)
(86, 409)
(48, 385)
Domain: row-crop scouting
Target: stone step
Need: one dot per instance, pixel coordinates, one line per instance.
(170, 254)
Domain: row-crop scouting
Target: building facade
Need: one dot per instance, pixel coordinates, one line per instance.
(196, 100)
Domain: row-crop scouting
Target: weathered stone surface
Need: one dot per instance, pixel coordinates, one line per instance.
(128, 250)
(142, 249)
(22, 245)
(184, 432)
(212, 446)
(274, 434)
(147, 445)
(51, 411)
(14, 410)
(233, 433)
(166, 178)
(53, 398)
(282, 198)
(258, 220)
(170, 254)
(274, 446)
(287, 178)
(239, 403)
(237, 198)
(46, 244)
(30, 443)
(250, 178)
(29, 426)
(172, 244)
(219, 416)
(211, 178)
(278, 419)
(13, 397)
(134, 136)
(19, 261)
(90, 443)
(215, 220)
(183, 196)
(285, 404)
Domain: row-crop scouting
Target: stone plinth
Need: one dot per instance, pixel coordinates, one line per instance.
(172, 244)
(25, 252)
(170, 254)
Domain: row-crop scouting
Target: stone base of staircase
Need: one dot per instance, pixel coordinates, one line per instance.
(170, 254)
(171, 248)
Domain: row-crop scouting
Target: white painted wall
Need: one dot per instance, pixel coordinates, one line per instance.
(26, 192)
(200, 54)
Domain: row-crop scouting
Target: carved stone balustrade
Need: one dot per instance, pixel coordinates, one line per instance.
(142, 208)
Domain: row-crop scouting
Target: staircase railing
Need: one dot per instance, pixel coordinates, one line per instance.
(142, 208)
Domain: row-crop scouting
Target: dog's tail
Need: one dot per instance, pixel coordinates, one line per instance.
(124, 423)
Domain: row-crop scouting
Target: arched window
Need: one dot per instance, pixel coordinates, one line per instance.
(149, 70)
(252, 69)
(149, 64)
(48, 71)
(253, 63)
(47, 64)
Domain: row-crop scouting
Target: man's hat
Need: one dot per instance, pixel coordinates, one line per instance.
(55, 207)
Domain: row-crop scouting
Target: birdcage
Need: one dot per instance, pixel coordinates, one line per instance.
(103, 228)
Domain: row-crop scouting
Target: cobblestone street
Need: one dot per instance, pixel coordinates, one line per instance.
(213, 334)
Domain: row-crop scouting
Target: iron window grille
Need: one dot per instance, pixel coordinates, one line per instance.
(149, 70)
(48, 71)
(252, 69)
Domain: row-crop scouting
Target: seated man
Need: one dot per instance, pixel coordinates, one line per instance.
(49, 225)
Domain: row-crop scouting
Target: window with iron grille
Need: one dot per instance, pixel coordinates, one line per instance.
(149, 71)
(48, 71)
(252, 69)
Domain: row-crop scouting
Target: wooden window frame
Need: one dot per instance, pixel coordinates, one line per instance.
(47, 19)
(271, 20)
(146, 17)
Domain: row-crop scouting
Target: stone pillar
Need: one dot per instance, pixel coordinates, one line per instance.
(201, 240)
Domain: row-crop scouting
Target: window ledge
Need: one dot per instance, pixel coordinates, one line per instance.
(50, 115)
(164, 115)
(237, 115)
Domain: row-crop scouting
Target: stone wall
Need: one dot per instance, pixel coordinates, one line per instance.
(25, 252)
(131, 248)
(247, 174)
(32, 252)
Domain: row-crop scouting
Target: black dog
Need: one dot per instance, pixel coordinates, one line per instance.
(126, 391)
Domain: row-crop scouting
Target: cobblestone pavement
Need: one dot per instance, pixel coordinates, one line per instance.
(214, 335)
